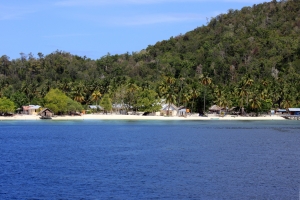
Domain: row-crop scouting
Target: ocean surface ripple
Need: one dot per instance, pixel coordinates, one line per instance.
(149, 160)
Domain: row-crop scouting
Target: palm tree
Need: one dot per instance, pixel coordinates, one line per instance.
(243, 90)
(170, 98)
(132, 89)
(181, 84)
(78, 96)
(162, 88)
(185, 97)
(255, 101)
(78, 92)
(96, 96)
(194, 93)
(248, 82)
(221, 101)
(169, 79)
(287, 101)
(205, 81)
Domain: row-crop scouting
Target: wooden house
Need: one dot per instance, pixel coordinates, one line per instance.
(31, 109)
(46, 114)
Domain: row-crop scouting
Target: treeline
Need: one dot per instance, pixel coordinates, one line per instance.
(248, 58)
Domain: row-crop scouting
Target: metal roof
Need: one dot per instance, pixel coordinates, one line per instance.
(166, 107)
(294, 109)
(281, 110)
(95, 106)
(34, 107)
(31, 107)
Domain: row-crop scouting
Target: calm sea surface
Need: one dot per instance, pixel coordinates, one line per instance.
(149, 160)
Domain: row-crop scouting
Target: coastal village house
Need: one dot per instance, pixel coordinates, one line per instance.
(31, 109)
(95, 108)
(173, 110)
(183, 111)
(294, 111)
(215, 109)
(281, 111)
(46, 113)
(119, 108)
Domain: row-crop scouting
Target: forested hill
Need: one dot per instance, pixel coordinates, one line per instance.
(256, 40)
(245, 52)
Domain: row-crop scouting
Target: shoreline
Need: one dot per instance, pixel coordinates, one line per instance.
(139, 117)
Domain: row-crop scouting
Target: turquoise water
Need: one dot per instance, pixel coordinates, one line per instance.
(149, 160)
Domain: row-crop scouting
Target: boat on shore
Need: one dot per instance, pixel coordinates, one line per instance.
(45, 117)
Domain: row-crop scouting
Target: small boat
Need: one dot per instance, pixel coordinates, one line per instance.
(45, 117)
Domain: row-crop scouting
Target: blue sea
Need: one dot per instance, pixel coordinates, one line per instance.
(149, 160)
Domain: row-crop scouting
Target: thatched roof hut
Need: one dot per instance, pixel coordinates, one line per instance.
(215, 108)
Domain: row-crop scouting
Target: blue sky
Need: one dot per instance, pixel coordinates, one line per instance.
(94, 28)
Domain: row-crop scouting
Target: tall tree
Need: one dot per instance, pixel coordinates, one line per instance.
(6, 105)
(205, 81)
(106, 103)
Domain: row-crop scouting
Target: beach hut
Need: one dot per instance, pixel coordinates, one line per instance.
(95, 108)
(46, 113)
(215, 109)
(120, 108)
(294, 111)
(31, 109)
(170, 111)
(182, 112)
(281, 111)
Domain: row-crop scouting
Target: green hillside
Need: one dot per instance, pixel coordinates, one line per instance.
(248, 58)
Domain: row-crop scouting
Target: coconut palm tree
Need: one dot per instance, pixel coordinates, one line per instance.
(205, 81)
(194, 93)
(185, 97)
(181, 87)
(132, 90)
(96, 96)
(255, 101)
(170, 97)
(78, 92)
(287, 101)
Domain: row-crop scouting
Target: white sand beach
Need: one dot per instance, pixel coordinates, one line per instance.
(139, 117)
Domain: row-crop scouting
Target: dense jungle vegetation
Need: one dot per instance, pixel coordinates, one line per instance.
(248, 58)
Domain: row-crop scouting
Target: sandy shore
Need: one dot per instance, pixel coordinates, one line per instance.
(137, 117)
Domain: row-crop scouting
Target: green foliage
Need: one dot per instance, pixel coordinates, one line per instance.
(260, 43)
(148, 101)
(19, 99)
(73, 106)
(106, 103)
(58, 102)
(6, 105)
